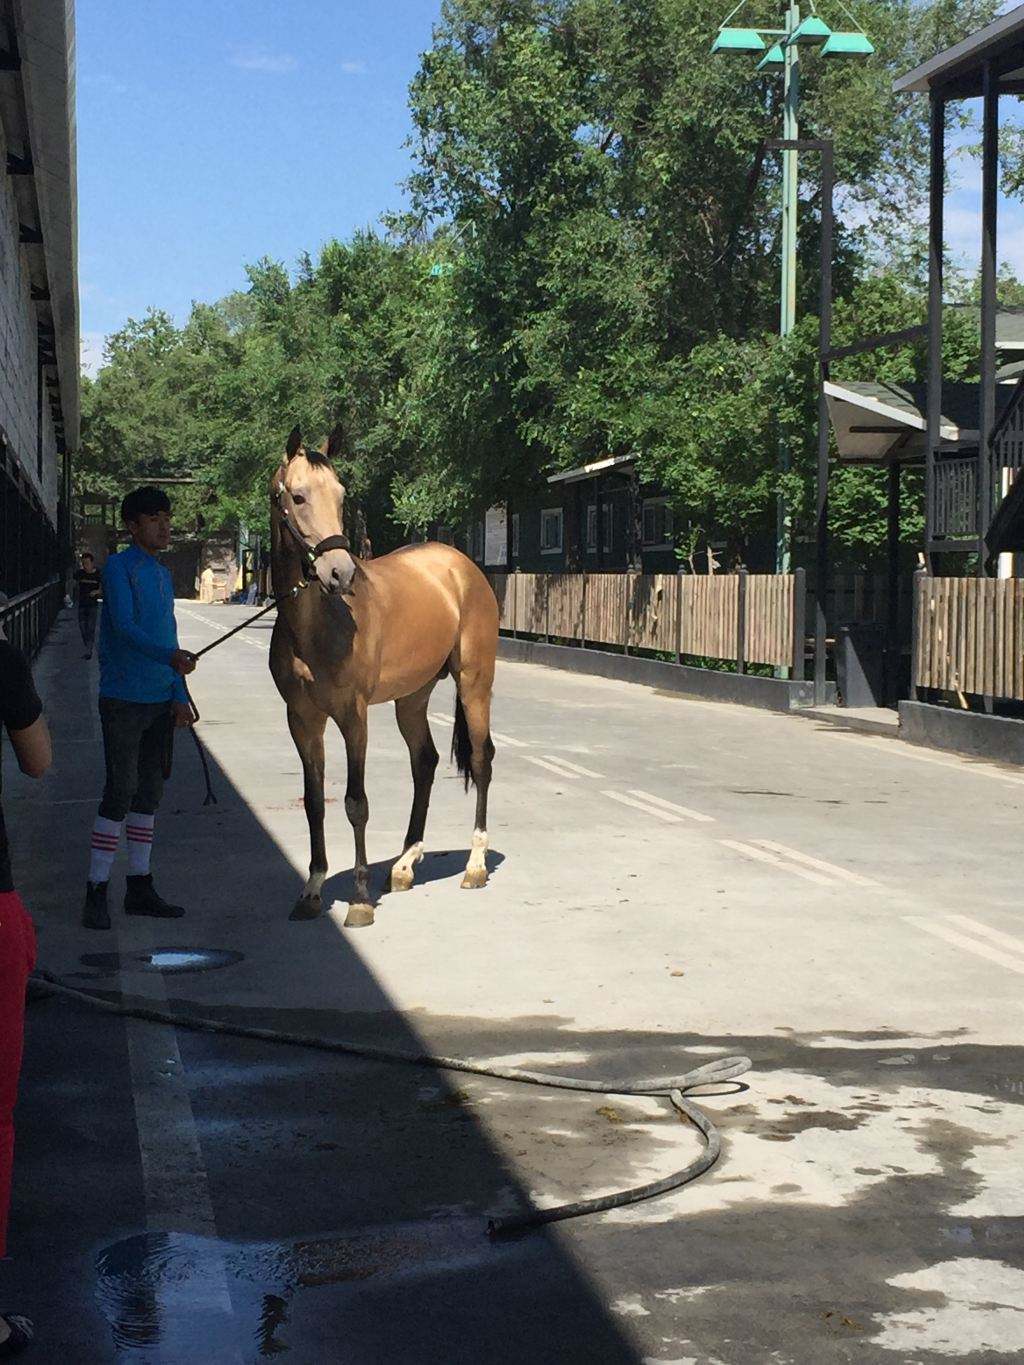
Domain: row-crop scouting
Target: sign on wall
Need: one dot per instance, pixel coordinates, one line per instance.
(495, 536)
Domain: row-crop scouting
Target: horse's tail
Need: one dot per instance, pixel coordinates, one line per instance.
(462, 745)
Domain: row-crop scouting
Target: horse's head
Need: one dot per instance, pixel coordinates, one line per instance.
(307, 498)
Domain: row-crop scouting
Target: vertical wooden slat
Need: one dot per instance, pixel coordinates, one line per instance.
(963, 589)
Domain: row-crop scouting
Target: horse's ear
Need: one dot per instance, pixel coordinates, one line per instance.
(335, 442)
(293, 442)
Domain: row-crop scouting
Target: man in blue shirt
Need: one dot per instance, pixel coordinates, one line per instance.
(142, 699)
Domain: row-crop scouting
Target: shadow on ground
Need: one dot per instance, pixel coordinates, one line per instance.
(326, 1175)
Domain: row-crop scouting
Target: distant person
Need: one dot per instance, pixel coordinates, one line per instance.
(142, 697)
(21, 714)
(88, 581)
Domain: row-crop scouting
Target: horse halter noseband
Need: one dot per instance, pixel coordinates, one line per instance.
(310, 553)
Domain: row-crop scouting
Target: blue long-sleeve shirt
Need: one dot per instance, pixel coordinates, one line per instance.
(138, 633)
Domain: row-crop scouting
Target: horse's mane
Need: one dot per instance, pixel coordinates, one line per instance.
(317, 457)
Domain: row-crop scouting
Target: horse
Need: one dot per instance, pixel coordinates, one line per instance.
(353, 633)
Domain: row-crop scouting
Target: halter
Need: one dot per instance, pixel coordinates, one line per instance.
(310, 553)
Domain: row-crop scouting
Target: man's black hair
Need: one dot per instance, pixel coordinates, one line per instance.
(144, 502)
(88, 554)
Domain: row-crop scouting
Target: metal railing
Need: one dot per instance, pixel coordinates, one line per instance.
(955, 498)
(25, 619)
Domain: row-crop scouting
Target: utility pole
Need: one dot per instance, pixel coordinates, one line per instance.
(781, 53)
(787, 293)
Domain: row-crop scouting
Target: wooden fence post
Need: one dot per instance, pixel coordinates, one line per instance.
(741, 621)
(916, 628)
(680, 578)
(799, 590)
(583, 614)
(547, 607)
(625, 607)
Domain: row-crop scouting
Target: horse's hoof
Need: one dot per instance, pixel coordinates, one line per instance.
(401, 879)
(474, 878)
(307, 907)
(359, 916)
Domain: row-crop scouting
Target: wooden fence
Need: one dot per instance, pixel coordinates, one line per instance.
(749, 618)
(969, 636)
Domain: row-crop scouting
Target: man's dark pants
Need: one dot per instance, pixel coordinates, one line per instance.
(136, 735)
(87, 614)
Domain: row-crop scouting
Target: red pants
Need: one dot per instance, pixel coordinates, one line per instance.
(17, 958)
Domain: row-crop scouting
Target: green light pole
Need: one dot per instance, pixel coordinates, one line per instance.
(783, 55)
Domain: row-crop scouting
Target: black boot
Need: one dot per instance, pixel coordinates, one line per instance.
(141, 898)
(95, 914)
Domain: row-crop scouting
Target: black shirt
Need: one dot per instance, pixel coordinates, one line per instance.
(88, 581)
(20, 707)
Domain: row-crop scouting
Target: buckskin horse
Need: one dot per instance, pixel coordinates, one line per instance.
(351, 634)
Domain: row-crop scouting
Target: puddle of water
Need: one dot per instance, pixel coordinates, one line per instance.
(154, 1288)
(166, 960)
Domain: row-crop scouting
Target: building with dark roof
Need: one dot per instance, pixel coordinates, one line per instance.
(39, 322)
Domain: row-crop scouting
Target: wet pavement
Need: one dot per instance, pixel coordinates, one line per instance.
(845, 913)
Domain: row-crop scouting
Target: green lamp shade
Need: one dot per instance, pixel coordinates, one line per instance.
(773, 57)
(738, 40)
(848, 45)
(810, 31)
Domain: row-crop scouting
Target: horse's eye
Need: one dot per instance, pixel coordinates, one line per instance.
(298, 499)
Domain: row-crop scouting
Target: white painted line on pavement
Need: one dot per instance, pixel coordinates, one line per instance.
(844, 874)
(763, 856)
(495, 734)
(219, 625)
(543, 763)
(684, 811)
(665, 815)
(196, 617)
(1014, 945)
(507, 739)
(174, 1177)
(901, 749)
(971, 945)
(573, 767)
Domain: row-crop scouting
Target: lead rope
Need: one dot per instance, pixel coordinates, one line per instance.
(210, 799)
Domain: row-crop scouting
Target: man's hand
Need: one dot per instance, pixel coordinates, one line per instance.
(183, 662)
(182, 713)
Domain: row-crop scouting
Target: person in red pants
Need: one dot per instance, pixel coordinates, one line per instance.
(22, 716)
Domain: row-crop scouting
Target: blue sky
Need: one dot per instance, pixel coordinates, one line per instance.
(213, 132)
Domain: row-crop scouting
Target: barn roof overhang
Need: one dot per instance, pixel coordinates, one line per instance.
(876, 423)
(610, 464)
(957, 73)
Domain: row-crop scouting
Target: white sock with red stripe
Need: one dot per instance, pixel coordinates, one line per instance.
(139, 829)
(106, 835)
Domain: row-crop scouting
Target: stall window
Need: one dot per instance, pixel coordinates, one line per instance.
(551, 530)
(657, 522)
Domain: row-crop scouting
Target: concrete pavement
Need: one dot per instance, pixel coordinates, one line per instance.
(671, 880)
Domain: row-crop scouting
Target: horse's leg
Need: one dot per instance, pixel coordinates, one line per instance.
(353, 726)
(474, 689)
(411, 714)
(307, 725)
